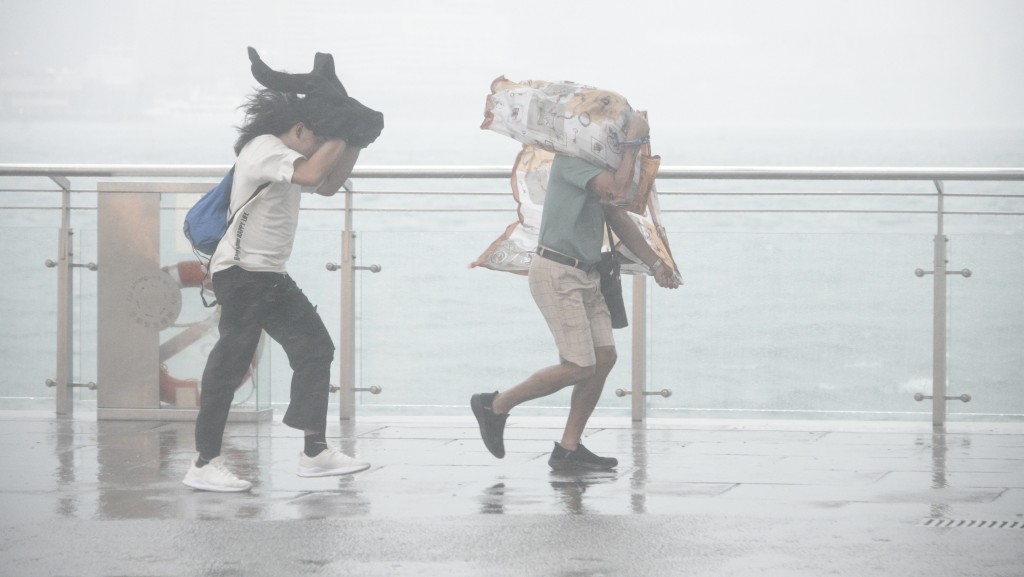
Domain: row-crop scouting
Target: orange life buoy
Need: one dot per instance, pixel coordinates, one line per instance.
(170, 385)
(191, 274)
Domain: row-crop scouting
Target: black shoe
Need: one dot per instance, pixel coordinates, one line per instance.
(580, 459)
(492, 426)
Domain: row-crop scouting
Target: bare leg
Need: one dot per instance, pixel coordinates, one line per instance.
(585, 396)
(542, 383)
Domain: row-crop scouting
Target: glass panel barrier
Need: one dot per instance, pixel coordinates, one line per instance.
(28, 339)
(313, 249)
(986, 327)
(186, 343)
(431, 331)
(808, 325)
(827, 322)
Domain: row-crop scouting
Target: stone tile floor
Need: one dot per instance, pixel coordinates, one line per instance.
(690, 497)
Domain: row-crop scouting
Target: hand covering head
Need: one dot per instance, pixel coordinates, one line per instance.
(327, 108)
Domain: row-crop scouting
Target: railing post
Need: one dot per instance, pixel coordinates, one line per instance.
(939, 317)
(639, 376)
(65, 303)
(940, 335)
(347, 349)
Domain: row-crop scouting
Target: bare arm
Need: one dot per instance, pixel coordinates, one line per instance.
(616, 184)
(312, 171)
(627, 230)
(342, 170)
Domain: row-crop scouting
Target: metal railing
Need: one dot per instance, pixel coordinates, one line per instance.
(64, 262)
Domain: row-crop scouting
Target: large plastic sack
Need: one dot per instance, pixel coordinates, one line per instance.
(575, 120)
(514, 249)
(579, 121)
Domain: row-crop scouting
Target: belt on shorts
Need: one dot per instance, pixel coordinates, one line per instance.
(564, 259)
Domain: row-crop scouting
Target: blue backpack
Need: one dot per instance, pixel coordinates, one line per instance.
(208, 220)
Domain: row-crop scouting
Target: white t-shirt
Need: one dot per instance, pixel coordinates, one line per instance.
(261, 236)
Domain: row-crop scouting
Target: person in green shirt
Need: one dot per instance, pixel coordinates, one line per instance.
(565, 284)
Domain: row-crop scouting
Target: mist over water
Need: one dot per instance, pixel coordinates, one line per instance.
(705, 71)
(813, 312)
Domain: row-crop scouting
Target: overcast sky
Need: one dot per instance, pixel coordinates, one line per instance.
(692, 64)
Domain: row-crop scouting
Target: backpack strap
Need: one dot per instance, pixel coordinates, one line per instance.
(202, 287)
(258, 190)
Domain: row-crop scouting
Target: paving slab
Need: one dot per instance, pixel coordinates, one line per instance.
(690, 497)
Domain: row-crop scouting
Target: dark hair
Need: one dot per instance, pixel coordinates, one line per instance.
(268, 112)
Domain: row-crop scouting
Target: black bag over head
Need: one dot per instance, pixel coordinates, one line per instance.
(326, 105)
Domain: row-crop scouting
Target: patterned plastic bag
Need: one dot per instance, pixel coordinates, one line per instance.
(514, 249)
(575, 120)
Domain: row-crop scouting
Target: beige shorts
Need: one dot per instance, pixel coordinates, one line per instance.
(574, 308)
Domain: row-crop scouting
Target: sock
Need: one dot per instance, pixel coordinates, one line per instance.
(315, 444)
(201, 462)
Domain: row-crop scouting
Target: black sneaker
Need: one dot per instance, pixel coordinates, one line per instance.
(580, 459)
(492, 426)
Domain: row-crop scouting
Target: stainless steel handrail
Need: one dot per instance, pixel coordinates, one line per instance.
(60, 173)
(486, 172)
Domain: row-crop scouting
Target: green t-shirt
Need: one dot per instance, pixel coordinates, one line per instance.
(573, 219)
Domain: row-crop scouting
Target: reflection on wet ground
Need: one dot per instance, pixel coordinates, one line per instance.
(712, 497)
(569, 487)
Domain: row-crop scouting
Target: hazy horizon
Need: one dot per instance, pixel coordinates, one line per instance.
(729, 65)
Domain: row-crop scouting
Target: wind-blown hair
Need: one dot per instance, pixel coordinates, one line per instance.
(268, 112)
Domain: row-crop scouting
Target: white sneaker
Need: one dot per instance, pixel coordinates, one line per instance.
(214, 477)
(330, 462)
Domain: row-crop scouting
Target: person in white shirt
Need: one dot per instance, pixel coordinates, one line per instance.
(278, 144)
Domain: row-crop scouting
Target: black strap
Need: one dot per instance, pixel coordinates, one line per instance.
(209, 261)
(567, 260)
(611, 238)
(258, 190)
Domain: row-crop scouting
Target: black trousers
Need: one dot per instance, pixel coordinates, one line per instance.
(252, 302)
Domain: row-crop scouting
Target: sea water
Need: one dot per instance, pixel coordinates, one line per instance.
(814, 314)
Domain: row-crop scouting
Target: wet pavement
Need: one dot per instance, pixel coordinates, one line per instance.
(690, 497)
